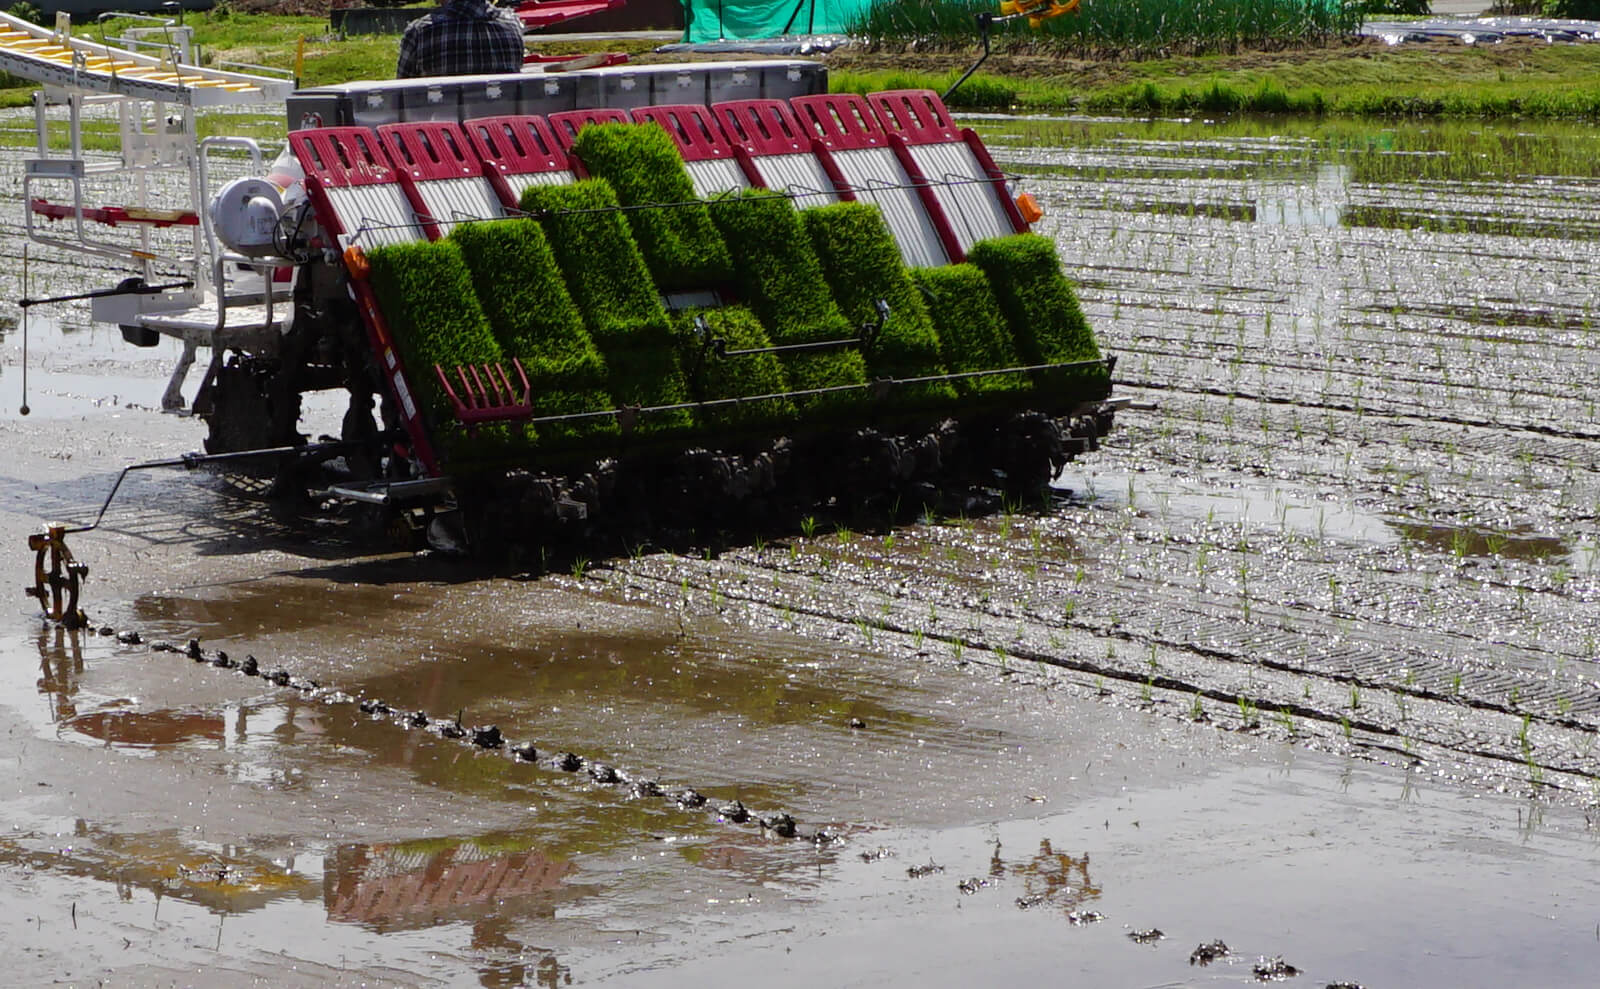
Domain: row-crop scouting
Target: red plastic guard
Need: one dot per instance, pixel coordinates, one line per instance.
(342, 156)
(846, 122)
(567, 123)
(763, 127)
(919, 117)
(113, 215)
(535, 14)
(430, 149)
(841, 121)
(692, 128)
(919, 114)
(561, 63)
(394, 372)
(517, 145)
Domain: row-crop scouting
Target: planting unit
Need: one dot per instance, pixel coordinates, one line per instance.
(673, 295)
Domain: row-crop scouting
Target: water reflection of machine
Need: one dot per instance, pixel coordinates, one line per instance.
(60, 665)
(224, 879)
(60, 668)
(418, 884)
(409, 885)
(1051, 877)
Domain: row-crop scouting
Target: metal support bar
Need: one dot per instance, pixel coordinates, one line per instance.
(719, 346)
(392, 492)
(129, 286)
(985, 20)
(871, 331)
(172, 395)
(190, 461)
(877, 386)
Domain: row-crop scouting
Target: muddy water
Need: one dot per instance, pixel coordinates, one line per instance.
(1303, 659)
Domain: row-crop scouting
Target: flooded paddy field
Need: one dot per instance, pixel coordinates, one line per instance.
(1303, 659)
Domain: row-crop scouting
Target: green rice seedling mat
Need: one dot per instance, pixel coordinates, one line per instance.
(782, 281)
(533, 317)
(680, 246)
(427, 297)
(426, 293)
(862, 265)
(652, 377)
(713, 377)
(600, 262)
(607, 279)
(972, 330)
(1043, 312)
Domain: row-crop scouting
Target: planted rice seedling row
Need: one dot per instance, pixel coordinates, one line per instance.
(1017, 628)
(1104, 273)
(1378, 351)
(1402, 478)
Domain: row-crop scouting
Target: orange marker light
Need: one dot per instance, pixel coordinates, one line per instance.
(1029, 208)
(355, 261)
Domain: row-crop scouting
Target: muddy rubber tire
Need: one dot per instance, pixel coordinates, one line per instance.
(247, 411)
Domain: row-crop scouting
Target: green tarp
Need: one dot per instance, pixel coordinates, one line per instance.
(718, 20)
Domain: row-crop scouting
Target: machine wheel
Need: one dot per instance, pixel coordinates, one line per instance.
(1031, 453)
(247, 411)
(246, 408)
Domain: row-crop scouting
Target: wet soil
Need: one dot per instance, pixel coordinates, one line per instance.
(1301, 661)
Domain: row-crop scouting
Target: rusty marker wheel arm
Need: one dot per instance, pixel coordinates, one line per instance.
(63, 578)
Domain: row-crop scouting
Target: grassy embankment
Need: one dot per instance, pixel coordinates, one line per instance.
(271, 40)
(1124, 29)
(1340, 77)
(1169, 57)
(1347, 78)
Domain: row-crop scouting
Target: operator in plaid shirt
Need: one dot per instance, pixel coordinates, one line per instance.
(462, 37)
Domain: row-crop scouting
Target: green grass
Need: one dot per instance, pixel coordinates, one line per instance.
(862, 265)
(1042, 309)
(223, 35)
(1046, 320)
(981, 91)
(1545, 102)
(1029, 71)
(680, 246)
(1539, 81)
(1124, 29)
(1444, 150)
(1520, 79)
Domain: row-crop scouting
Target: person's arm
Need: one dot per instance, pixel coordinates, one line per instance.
(406, 66)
